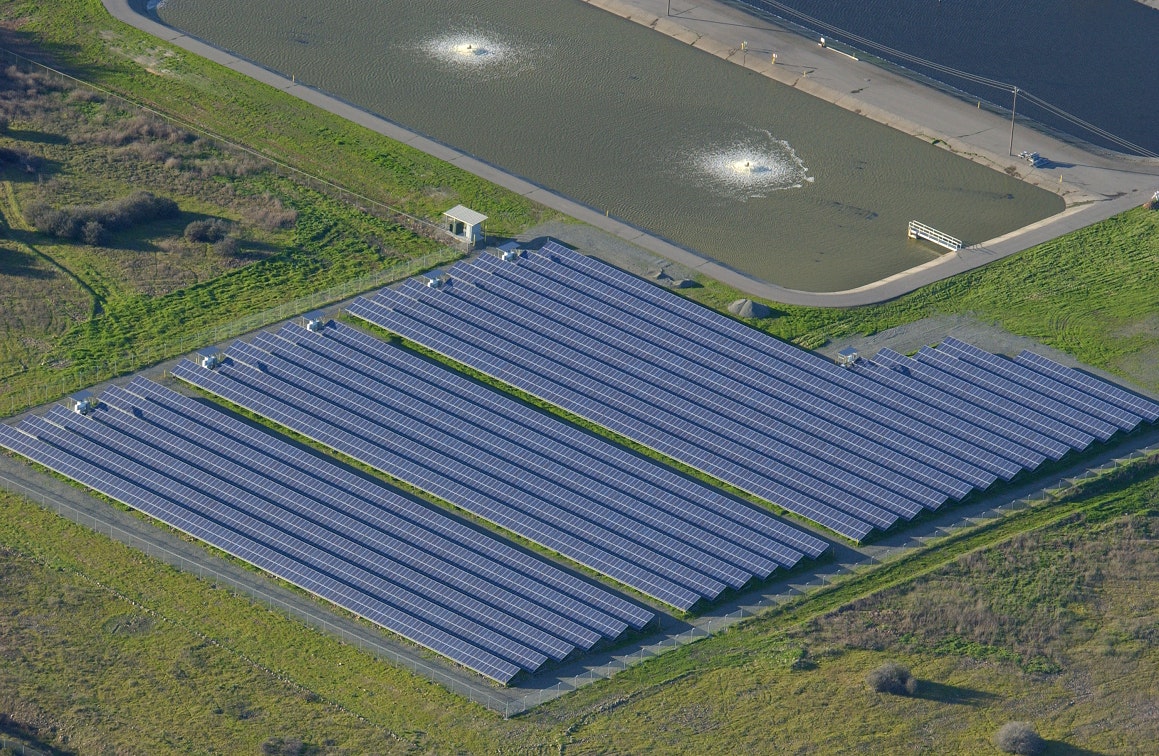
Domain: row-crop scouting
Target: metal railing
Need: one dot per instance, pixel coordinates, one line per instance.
(919, 230)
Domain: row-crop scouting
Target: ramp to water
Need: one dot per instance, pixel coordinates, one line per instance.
(919, 230)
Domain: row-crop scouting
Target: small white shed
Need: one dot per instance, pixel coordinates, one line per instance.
(847, 357)
(210, 357)
(315, 321)
(465, 224)
(83, 402)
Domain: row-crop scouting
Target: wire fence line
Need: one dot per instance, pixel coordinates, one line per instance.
(19, 747)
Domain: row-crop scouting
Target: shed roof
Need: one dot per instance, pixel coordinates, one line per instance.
(466, 215)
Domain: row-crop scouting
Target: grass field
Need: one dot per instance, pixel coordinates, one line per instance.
(1049, 615)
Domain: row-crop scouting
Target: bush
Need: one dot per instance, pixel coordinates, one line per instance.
(22, 159)
(1019, 738)
(228, 247)
(142, 128)
(892, 678)
(272, 215)
(93, 233)
(72, 222)
(207, 231)
(288, 747)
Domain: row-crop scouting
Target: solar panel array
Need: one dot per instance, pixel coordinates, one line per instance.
(363, 546)
(852, 450)
(608, 509)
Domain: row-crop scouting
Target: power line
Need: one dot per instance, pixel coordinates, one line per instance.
(950, 71)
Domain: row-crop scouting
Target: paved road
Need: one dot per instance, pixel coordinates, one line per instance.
(1095, 186)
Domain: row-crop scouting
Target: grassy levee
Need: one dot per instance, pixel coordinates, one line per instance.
(95, 633)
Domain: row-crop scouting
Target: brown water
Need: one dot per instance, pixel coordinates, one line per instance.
(629, 121)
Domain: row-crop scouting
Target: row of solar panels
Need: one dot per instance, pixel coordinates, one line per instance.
(612, 511)
(852, 450)
(363, 546)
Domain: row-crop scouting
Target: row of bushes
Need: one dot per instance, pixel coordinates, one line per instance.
(91, 223)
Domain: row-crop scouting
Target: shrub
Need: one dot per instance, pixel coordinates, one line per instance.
(1019, 738)
(272, 215)
(71, 222)
(892, 678)
(288, 747)
(18, 158)
(93, 233)
(228, 247)
(141, 128)
(207, 231)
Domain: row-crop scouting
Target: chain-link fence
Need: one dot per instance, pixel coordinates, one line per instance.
(19, 747)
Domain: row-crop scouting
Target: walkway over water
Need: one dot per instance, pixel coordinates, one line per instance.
(918, 230)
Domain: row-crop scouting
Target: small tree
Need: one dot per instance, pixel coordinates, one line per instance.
(892, 678)
(1019, 738)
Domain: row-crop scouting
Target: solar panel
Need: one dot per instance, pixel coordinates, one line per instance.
(610, 414)
(352, 541)
(1104, 390)
(1049, 387)
(852, 450)
(528, 474)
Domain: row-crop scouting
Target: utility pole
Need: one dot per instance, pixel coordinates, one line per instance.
(1012, 109)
